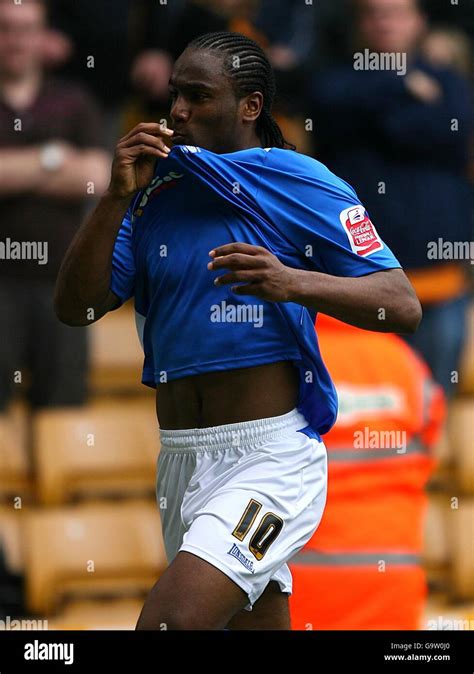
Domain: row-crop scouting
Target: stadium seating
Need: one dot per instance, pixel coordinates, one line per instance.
(15, 473)
(102, 450)
(441, 614)
(462, 438)
(91, 551)
(11, 536)
(467, 365)
(116, 354)
(462, 542)
(112, 614)
(449, 544)
(436, 550)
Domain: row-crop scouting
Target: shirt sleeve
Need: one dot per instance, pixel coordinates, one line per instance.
(123, 263)
(328, 224)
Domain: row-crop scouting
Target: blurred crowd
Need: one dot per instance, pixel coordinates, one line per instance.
(74, 76)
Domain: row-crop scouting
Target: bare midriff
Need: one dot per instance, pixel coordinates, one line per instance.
(229, 397)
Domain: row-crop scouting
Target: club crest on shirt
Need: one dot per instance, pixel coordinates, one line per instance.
(360, 231)
(157, 185)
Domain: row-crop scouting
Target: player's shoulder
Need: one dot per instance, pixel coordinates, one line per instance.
(297, 161)
(306, 167)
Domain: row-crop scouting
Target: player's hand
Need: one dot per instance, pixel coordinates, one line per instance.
(260, 271)
(135, 157)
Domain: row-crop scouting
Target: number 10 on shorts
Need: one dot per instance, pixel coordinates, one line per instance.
(267, 531)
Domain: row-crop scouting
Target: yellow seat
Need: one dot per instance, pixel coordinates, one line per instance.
(91, 551)
(442, 614)
(101, 450)
(11, 537)
(436, 542)
(15, 469)
(462, 541)
(116, 354)
(462, 439)
(112, 614)
(467, 362)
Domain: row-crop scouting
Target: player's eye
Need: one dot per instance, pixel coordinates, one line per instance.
(199, 96)
(194, 96)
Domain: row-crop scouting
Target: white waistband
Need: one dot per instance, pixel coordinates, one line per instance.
(242, 434)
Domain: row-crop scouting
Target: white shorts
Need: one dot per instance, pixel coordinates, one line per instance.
(245, 497)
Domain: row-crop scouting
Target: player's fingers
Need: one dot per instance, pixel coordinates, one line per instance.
(237, 277)
(148, 127)
(227, 248)
(236, 261)
(132, 153)
(143, 138)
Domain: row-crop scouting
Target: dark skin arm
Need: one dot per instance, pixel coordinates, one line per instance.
(83, 292)
(383, 301)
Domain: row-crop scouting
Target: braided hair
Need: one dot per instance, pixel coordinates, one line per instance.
(249, 70)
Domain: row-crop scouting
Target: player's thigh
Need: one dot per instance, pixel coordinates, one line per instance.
(270, 612)
(192, 594)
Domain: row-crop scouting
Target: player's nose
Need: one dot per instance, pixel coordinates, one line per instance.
(179, 112)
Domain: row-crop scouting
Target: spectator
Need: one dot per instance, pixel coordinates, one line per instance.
(457, 13)
(290, 29)
(109, 56)
(190, 18)
(50, 159)
(401, 138)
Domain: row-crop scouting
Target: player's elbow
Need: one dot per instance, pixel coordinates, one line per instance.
(67, 308)
(406, 312)
(409, 314)
(68, 316)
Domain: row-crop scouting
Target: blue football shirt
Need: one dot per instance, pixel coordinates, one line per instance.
(282, 200)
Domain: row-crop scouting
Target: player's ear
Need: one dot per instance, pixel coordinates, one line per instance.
(251, 106)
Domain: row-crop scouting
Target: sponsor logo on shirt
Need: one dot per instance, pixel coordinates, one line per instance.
(360, 231)
(157, 185)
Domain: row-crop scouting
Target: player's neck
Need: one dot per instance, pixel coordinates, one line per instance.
(248, 143)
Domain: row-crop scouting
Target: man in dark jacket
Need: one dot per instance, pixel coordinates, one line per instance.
(397, 129)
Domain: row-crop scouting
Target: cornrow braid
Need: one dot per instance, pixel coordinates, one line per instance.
(250, 70)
